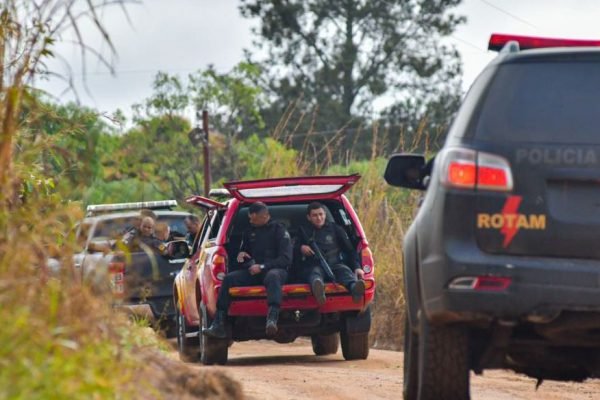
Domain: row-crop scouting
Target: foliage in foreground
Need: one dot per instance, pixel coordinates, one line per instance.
(59, 340)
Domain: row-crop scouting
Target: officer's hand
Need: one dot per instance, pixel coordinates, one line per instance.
(242, 256)
(360, 274)
(254, 269)
(306, 250)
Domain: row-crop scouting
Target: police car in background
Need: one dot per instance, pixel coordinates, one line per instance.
(502, 262)
(141, 281)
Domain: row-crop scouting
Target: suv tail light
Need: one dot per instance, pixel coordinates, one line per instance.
(366, 258)
(116, 273)
(468, 169)
(219, 264)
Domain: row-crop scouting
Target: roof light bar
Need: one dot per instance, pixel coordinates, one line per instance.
(153, 205)
(499, 40)
(219, 193)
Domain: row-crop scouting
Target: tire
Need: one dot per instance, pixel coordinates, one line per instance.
(355, 346)
(325, 344)
(212, 351)
(443, 362)
(411, 362)
(170, 328)
(186, 346)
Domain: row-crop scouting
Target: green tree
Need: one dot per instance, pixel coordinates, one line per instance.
(170, 98)
(233, 101)
(158, 150)
(336, 58)
(266, 157)
(68, 141)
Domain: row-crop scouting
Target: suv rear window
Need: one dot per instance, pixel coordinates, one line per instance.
(548, 102)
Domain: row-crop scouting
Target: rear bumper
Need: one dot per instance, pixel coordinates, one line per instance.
(251, 300)
(540, 288)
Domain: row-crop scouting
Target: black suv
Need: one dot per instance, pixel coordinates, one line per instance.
(502, 262)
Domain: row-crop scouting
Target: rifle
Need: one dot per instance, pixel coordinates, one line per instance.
(313, 245)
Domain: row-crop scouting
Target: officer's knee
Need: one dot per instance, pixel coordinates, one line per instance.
(273, 276)
(341, 267)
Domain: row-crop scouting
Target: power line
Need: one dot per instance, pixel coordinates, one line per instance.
(509, 14)
(468, 43)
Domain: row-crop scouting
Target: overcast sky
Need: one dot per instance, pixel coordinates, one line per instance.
(183, 36)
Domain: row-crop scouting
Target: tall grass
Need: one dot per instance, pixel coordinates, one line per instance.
(58, 339)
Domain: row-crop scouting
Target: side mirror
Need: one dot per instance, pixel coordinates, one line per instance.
(406, 170)
(178, 249)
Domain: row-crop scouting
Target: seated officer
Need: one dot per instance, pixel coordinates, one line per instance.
(264, 257)
(332, 241)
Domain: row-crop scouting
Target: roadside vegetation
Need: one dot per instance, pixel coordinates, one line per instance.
(59, 338)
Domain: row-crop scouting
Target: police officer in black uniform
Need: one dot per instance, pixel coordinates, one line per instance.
(145, 237)
(332, 241)
(264, 258)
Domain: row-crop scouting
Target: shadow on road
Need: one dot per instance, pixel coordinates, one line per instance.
(307, 359)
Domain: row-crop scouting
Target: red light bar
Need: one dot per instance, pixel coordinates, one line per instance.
(498, 40)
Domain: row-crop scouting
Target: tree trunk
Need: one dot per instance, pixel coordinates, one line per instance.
(349, 59)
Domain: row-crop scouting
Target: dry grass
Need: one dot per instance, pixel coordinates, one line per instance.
(62, 340)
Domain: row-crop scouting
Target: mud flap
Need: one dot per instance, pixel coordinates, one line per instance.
(358, 323)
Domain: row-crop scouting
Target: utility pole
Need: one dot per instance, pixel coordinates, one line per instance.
(206, 149)
(200, 136)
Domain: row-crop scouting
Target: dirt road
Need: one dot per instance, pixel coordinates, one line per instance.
(271, 371)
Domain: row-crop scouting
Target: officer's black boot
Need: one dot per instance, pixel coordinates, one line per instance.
(272, 318)
(217, 328)
(318, 290)
(358, 291)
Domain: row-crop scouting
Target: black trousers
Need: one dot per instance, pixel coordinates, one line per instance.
(343, 275)
(272, 279)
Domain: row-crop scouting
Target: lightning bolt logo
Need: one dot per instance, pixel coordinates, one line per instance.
(510, 208)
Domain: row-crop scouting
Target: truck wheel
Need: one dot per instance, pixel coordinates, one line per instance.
(170, 328)
(355, 346)
(212, 351)
(443, 361)
(411, 362)
(325, 344)
(186, 346)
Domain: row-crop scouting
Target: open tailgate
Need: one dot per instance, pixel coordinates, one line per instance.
(296, 188)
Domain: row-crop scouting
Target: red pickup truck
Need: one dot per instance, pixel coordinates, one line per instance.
(196, 286)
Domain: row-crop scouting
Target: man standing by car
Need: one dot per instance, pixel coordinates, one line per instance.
(193, 225)
(264, 257)
(333, 242)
